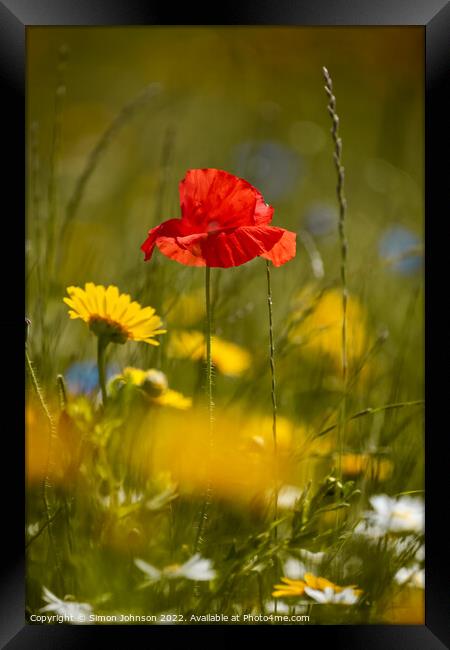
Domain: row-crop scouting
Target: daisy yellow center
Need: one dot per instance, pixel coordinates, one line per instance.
(108, 329)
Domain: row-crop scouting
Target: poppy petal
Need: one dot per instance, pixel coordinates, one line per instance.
(283, 250)
(263, 212)
(186, 250)
(212, 199)
(238, 246)
(170, 228)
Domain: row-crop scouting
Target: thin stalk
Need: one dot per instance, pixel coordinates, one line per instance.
(274, 414)
(49, 464)
(337, 156)
(273, 391)
(101, 349)
(372, 411)
(209, 392)
(122, 118)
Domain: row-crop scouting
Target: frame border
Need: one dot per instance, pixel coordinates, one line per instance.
(434, 15)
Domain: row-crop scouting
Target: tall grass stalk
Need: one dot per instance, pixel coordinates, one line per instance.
(337, 156)
(49, 467)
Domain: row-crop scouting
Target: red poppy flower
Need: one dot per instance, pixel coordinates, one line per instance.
(225, 222)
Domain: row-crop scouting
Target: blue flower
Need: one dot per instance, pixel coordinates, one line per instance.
(321, 219)
(400, 248)
(82, 376)
(270, 166)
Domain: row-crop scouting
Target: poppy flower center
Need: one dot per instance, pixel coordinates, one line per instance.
(213, 226)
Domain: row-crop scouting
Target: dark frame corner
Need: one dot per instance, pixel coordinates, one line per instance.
(434, 16)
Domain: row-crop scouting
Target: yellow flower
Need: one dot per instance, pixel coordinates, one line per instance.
(313, 586)
(229, 358)
(316, 582)
(155, 384)
(357, 464)
(174, 399)
(185, 310)
(113, 316)
(319, 326)
(290, 588)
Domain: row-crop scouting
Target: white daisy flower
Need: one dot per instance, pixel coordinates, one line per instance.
(420, 555)
(75, 612)
(33, 529)
(282, 608)
(122, 498)
(288, 495)
(152, 573)
(296, 568)
(405, 514)
(413, 576)
(347, 596)
(196, 568)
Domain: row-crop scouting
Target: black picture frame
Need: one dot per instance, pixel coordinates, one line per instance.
(15, 17)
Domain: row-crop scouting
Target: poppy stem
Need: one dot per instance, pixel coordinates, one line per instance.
(207, 499)
(101, 348)
(208, 346)
(274, 412)
(273, 390)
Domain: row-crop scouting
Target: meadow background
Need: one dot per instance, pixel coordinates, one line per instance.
(115, 117)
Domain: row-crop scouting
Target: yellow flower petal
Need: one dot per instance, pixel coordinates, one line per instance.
(112, 315)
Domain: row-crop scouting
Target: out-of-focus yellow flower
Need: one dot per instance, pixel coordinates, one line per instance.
(113, 316)
(65, 448)
(179, 443)
(229, 358)
(154, 383)
(319, 327)
(174, 399)
(258, 428)
(186, 344)
(356, 464)
(406, 607)
(185, 310)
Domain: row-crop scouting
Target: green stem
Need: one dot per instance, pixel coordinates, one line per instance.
(273, 390)
(46, 487)
(101, 349)
(344, 252)
(274, 415)
(208, 346)
(207, 499)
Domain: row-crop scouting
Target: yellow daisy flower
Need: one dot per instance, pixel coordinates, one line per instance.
(314, 586)
(112, 316)
(154, 383)
(290, 588)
